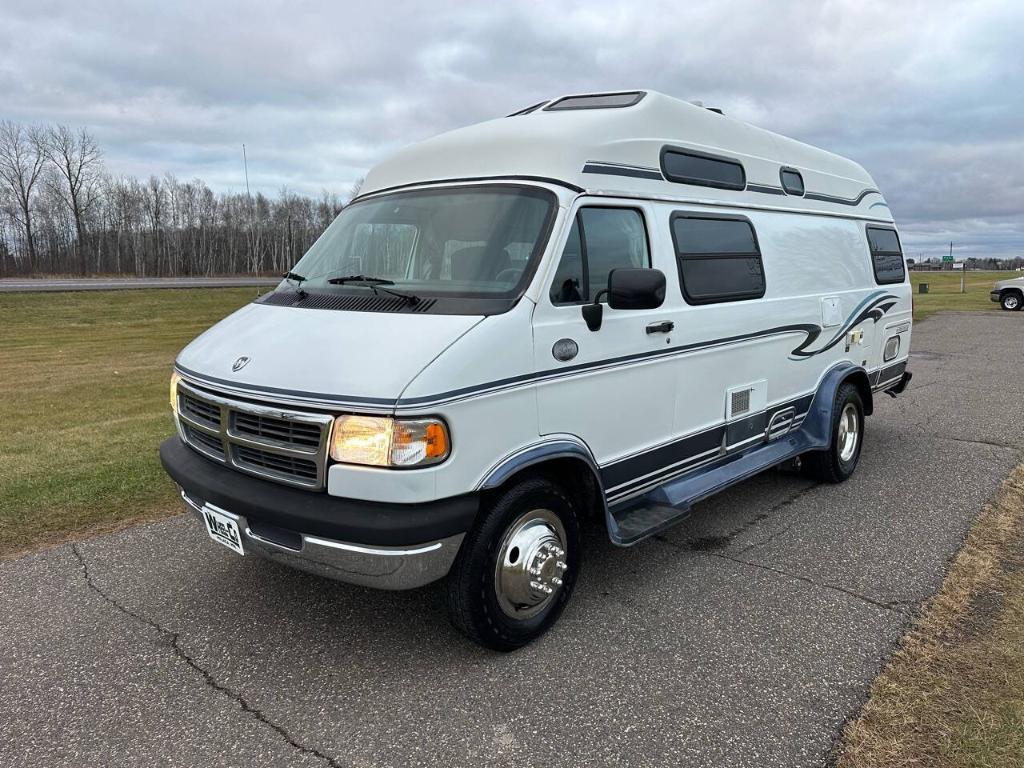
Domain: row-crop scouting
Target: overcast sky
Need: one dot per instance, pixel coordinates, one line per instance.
(928, 96)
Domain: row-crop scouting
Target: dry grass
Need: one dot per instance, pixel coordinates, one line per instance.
(83, 406)
(953, 694)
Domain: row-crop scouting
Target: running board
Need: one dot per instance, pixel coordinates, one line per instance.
(662, 507)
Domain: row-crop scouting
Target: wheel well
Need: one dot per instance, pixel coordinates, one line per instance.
(860, 380)
(575, 475)
(1005, 291)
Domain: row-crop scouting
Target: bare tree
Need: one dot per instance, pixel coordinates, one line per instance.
(81, 218)
(79, 164)
(22, 159)
(353, 191)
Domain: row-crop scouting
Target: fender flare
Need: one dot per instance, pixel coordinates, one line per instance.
(817, 425)
(562, 447)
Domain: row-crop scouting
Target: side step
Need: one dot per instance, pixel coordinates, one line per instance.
(664, 506)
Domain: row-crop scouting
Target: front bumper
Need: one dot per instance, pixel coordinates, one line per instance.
(996, 296)
(378, 567)
(387, 546)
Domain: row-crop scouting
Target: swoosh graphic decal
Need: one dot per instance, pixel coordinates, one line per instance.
(874, 307)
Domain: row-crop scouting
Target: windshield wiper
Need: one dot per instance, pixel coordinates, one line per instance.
(295, 280)
(375, 284)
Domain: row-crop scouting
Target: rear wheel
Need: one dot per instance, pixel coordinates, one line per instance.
(836, 463)
(516, 569)
(1010, 300)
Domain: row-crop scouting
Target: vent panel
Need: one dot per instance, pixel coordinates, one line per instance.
(740, 402)
(344, 301)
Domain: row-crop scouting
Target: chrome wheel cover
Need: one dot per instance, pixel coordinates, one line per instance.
(1011, 302)
(849, 432)
(530, 564)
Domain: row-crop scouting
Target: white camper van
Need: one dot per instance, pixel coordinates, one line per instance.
(593, 312)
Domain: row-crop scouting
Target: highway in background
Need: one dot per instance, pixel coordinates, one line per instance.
(30, 285)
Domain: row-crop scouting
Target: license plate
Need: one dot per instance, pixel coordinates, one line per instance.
(223, 530)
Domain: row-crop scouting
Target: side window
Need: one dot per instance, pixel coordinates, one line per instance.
(602, 239)
(792, 182)
(689, 167)
(886, 255)
(719, 259)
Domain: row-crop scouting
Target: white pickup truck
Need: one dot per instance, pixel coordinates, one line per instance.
(1009, 294)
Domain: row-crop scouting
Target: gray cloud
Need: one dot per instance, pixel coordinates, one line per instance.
(927, 95)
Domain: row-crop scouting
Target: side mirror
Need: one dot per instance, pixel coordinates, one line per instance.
(627, 289)
(636, 288)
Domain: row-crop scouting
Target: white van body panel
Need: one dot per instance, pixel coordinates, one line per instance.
(356, 359)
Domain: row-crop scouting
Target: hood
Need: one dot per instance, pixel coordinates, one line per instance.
(333, 357)
(1017, 281)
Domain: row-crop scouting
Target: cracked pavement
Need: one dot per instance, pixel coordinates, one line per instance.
(746, 636)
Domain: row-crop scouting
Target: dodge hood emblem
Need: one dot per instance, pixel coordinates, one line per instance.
(239, 364)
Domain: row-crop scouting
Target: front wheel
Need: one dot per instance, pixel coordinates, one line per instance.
(1010, 300)
(837, 462)
(516, 569)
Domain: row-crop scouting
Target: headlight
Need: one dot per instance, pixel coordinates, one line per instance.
(175, 378)
(385, 442)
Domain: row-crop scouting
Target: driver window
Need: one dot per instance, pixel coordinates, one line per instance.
(602, 239)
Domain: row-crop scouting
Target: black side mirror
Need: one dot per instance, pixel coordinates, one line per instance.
(627, 289)
(636, 288)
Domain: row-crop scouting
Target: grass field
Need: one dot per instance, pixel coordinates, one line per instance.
(83, 406)
(944, 291)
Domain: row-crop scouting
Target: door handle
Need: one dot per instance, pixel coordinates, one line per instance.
(663, 327)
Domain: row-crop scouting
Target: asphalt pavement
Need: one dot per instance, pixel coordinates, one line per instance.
(36, 285)
(746, 636)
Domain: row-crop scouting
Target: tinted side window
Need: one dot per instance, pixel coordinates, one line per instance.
(602, 239)
(702, 170)
(719, 259)
(886, 255)
(792, 182)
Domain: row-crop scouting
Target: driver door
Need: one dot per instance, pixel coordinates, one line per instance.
(603, 386)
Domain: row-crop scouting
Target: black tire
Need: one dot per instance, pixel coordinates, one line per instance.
(472, 598)
(1011, 301)
(829, 465)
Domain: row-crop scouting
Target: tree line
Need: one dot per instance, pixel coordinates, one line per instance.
(61, 212)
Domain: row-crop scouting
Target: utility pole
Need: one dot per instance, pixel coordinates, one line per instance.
(252, 230)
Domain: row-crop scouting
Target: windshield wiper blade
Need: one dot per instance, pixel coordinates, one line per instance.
(298, 281)
(360, 279)
(375, 284)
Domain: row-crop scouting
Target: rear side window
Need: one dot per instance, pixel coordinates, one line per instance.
(719, 258)
(685, 167)
(886, 255)
(602, 239)
(792, 182)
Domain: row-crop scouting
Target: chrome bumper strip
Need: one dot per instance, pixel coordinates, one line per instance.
(379, 567)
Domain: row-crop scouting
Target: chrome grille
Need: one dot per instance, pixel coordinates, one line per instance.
(278, 444)
(276, 430)
(275, 463)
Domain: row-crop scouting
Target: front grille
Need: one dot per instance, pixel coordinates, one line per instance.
(278, 444)
(207, 441)
(274, 463)
(198, 409)
(278, 430)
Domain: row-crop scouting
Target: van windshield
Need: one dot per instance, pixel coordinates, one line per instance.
(469, 242)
